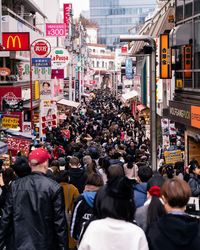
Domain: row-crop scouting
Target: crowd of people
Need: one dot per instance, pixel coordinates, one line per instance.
(90, 186)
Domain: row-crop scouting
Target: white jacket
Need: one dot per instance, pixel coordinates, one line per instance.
(112, 234)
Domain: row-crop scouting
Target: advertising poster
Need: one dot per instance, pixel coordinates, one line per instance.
(48, 115)
(45, 90)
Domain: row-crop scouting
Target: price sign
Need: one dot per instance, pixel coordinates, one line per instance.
(55, 29)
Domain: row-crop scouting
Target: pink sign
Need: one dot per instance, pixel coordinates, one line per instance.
(55, 29)
(57, 73)
(67, 7)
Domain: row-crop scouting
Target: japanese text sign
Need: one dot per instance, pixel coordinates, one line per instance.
(55, 29)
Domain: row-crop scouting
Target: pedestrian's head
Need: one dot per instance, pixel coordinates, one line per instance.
(39, 160)
(175, 194)
(87, 160)
(194, 167)
(94, 180)
(21, 166)
(74, 162)
(62, 163)
(8, 176)
(115, 170)
(144, 173)
(115, 200)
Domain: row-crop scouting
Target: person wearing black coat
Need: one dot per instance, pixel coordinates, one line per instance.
(176, 230)
(194, 180)
(34, 214)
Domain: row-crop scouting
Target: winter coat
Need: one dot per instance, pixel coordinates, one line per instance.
(174, 232)
(83, 211)
(194, 183)
(140, 194)
(35, 211)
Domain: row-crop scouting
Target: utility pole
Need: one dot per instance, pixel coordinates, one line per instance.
(150, 40)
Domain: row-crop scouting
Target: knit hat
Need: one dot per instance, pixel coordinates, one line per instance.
(62, 161)
(119, 187)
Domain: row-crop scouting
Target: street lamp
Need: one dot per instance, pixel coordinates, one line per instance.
(150, 40)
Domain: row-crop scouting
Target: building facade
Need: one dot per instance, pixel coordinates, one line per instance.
(184, 109)
(116, 17)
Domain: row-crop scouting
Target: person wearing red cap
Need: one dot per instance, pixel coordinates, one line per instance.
(35, 210)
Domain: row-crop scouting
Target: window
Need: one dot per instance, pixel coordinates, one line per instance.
(188, 8)
(103, 64)
(179, 10)
(97, 64)
(196, 6)
(197, 53)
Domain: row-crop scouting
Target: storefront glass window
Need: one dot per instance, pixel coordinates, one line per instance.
(196, 6)
(179, 10)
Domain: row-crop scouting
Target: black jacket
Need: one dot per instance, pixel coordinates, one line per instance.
(83, 211)
(78, 178)
(34, 215)
(194, 183)
(174, 232)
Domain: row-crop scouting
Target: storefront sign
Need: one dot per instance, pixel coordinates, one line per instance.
(57, 73)
(41, 47)
(59, 58)
(129, 68)
(9, 122)
(187, 60)
(55, 29)
(171, 157)
(5, 71)
(11, 98)
(180, 112)
(165, 57)
(195, 116)
(67, 8)
(77, 86)
(17, 144)
(41, 62)
(16, 41)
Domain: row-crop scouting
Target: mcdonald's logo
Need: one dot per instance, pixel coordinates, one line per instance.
(16, 41)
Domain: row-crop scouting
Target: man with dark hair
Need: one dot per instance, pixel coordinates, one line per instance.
(140, 189)
(35, 209)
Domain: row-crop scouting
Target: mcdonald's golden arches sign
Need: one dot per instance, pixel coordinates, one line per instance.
(18, 41)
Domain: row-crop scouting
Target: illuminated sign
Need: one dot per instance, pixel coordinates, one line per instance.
(41, 47)
(165, 57)
(195, 116)
(187, 52)
(16, 41)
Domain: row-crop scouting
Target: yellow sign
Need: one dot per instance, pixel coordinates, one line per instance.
(13, 39)
(37, 90)
(10, 122)
(179, 83)
(165, 57)
(171, 157)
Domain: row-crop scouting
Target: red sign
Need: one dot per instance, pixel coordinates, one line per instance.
(67, 7)
(57, 74)
(19, 41)
(11, 95)
(124, 49)
(17, 144)
(42, 48)
(93, 81)
(55, 29)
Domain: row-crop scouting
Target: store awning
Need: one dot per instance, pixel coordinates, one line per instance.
(129, 95)
(141, 107)
(69, 103)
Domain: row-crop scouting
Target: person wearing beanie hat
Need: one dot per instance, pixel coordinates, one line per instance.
(35, 208)
(114, 228)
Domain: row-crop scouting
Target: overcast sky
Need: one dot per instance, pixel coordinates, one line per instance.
(78, 5)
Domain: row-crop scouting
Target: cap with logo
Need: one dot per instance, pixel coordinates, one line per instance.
(40, 155)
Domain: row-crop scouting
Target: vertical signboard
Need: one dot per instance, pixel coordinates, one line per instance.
(129, 68)
(165, 57)
(67, 7)
(77, 90)
(188, 61)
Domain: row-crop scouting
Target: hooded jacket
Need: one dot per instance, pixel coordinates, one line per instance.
(83, 211)
(174, 232)
(78, 178)
(140, 194)
(194, 183)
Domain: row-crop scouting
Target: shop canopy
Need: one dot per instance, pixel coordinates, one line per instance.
(69, 103)
(130, 95)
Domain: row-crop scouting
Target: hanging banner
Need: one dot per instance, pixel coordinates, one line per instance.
(129, 68)
(77, 86)
(57, 73)
(165, 57)
(67, 8)
(16, 145)
(48, 115)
